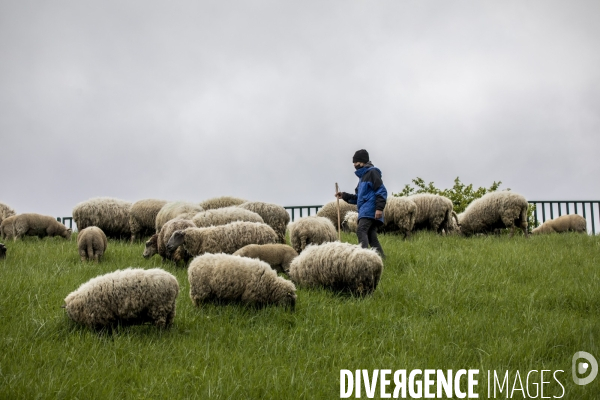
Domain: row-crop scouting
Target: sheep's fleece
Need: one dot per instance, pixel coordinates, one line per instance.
(91, 243)
(311, 230)
(7, 227)
(223, 216)
(158, 242)
(130, 296)
(142, 217)
(338, 266)
(174, 209)
(5, 212)
(110, 215)
(31, 224)
(329, 211)
(278, 256)
(221, 202)
(274, 215)
(228, 278)
(434, 212)
(564, 223)
(503, 209)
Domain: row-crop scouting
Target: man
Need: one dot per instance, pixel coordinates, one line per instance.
(370, 199)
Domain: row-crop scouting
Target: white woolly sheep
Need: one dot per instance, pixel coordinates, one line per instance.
(329, 211)
(7, 227)
(223, 216)
(311, 230)
(5, 212)
(278, 256)
(494, 210)
(110, 215)
(2, 251)
(91, 243)
(31, 224)
(127, 297)
(227, 278)
(564, 223)
(274, 215)
(399, 216)
(174, 209)
(223, 238)
(221, 202)
(338, 266)
(142, 217)
(157, 244)
(350, 222)
(434, 212)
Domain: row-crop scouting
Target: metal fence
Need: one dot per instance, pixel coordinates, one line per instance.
(550, 209)
(292, 211)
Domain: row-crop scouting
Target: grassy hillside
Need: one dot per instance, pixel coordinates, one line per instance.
(487, 303)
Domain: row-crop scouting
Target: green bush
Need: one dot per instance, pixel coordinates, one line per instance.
(460, 194)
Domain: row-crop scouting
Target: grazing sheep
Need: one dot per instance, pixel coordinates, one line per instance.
(434, 212)
(142, 217)
(223, 238)
(494, 210)
(31, 224)
(5, 212)
(110, 215)
(311, 230)
(158, 242)
(565, 223)
(92, 243)
(338, 266)
(274, 215)
(329, 211)
(399, 215)
(7, 226)
(223, 216)
(2, 251)
(128, 297)
(228, 278)
(278, 256)
(176, 209)
(221, 202)
(350, 222)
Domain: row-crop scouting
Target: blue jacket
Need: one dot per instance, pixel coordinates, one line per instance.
(371, 194)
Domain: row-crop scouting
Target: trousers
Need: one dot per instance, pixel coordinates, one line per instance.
(367, 234)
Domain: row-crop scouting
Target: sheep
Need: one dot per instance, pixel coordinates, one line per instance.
(221, 202)
(274, 215)
(329, 211)
(142, 217)
(278, 256)
(31, 224)
(175, 209)
(7, 226)
(109, 214)
(398, 215)
(338, 266)
(434, 212)
(223, 216)
(350, 222)
(91, 243)
(158, 242)
(5, 212)
(565, 223)
(2, 251)
(228, 278)
(223, 238)
(311, 230)
(127, 297)
(494, 210)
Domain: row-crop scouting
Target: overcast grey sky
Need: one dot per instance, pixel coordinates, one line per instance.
(268, 100)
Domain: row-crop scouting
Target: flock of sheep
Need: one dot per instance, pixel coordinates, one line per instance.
(235, 248)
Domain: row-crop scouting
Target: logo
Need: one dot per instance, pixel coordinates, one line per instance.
(583, 367)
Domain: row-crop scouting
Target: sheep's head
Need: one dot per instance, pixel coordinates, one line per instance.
(67, 234)
(176, 240)
(151, 246)
(2, 250)
(289, 301)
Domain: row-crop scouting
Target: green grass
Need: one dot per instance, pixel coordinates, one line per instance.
(487, 303)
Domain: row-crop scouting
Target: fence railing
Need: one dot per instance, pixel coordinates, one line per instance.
(550, 209)
(292, 211)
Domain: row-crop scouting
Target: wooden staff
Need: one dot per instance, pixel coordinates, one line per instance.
(338, 209)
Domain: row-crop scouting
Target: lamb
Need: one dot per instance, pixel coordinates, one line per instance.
(32, 224)
(223, 216)
(92, 243)
(329, 211)
(2, 251)
(311, 230)
(176, 209)
(494, 210)
(142, 217)
(109, 214)
(274, 215)
(565, 223)
(221, 202)
(278, 256)
(127, 297)
(158, 242)
(338, 266)
(223, 238)
(434, 212)
(7, 226)
(228, 278)
(5, 212)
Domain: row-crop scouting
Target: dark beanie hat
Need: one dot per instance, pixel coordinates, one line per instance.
(361, 156)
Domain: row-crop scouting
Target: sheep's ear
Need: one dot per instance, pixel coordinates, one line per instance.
(70, 230)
